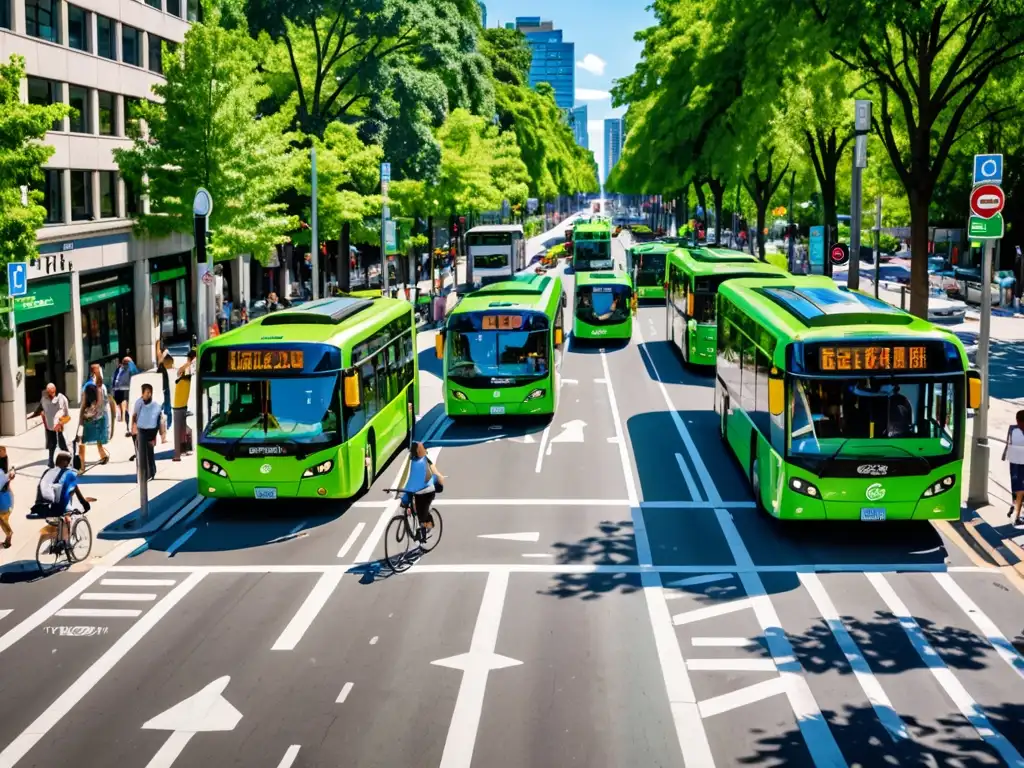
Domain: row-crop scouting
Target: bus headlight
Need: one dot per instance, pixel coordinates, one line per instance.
(459, 395)
(537, 393)
(801, 486)
(215, 469)
(940, 487)
(320, 469)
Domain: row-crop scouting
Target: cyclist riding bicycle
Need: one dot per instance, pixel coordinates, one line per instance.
(56, 488)
(419, 484)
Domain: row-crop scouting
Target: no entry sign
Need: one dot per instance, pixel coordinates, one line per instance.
(839, 254)
(987, 200)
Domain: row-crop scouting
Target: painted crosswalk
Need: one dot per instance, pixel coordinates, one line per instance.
(117, 598)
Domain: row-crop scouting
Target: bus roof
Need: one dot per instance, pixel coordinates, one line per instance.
(609, 277)
(531, 291)
(653, 247)
(702, 261)
(326, 321)
(493, 228)
(592, 226)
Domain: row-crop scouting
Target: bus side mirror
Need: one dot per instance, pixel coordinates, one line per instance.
(558, 337)
(439, 345)
(352, 391)
(973, 390)
(776, 395)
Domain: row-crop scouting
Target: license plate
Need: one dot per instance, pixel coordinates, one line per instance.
(497, 410)
(266, 493)
(872, 513)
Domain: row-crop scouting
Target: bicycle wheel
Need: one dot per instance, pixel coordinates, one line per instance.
(47, 555)
(396, 544)
(80, 541)
(434, 534)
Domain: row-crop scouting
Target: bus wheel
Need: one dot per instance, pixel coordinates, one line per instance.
(370, 466)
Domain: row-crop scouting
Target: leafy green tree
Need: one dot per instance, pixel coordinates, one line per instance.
(208, 133)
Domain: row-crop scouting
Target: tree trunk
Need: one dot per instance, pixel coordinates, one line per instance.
(762, 216)
(430, 249)
(702, 201)
(828, 203)
(919, 254)
(344, 256)
(717, 187)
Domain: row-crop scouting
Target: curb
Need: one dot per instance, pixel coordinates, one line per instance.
(127, 527)
(1003, 553)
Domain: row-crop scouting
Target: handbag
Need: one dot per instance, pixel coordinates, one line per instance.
(76, 458)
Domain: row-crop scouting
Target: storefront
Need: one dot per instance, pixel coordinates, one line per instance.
(108, 318)
(39, 321)
(172, 300)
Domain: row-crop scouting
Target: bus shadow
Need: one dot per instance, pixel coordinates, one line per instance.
(476, 430)
(428, 362)
(579, 346)
(662, 361)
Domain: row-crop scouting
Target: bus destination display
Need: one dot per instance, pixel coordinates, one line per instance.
(502, 322)
(257, 361)
(875, 358)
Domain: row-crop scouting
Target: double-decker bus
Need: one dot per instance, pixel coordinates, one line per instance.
(648, 264)
(496, 252)
(604, 306)
(592, 246)
(501, 345)
(693, 280)
(839, 406)
(307, 402)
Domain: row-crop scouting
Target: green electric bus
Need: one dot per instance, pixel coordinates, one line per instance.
(839, 406)
(501, 345)
(592, 246)
(648, 264)
(604, 306)
(306, 402)
(693, 280)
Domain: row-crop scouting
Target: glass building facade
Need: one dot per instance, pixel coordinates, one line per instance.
(614, 135)
(554, 60)
(578, 122)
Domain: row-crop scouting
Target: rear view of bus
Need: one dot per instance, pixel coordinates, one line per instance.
(604, 306)
(839, 406)
(500, 347)
(592, 247)
(496, 252)
(647, 263)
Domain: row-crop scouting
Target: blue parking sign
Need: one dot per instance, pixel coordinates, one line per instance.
(17, 278)
(988, 169)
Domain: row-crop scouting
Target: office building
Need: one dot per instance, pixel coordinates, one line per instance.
(97, 291)
(614, 136)
(483, 14)
(554, 60)
(578, 122)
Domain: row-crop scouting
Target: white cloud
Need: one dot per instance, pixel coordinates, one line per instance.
(592, 94)
(592, 63)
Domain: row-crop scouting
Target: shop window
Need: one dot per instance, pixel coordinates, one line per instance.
(131, 45)
(194, 10)
(53, 195)
(42, 19)
(81, 119)
(106, 37)
(44, 93)
(81, 196)
(108, 194)
(78, 28)
(108, 113)
(174, 8)
(156, 61)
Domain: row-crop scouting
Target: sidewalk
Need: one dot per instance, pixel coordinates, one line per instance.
(114, 485)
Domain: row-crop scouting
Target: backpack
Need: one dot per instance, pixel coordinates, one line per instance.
(48, 495)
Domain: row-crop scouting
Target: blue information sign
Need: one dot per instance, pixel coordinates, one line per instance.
(988, 169)
(816, 252)
(17, 278)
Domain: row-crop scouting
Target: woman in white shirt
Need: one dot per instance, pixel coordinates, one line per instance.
(1014, 452)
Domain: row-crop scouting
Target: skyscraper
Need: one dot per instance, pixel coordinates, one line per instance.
(614, 131)
(554, 61)
(578, 123)
(483, 13)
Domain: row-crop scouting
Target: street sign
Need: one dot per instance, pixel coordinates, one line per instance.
(208, 278)
(816, 252)
(390, 236)
(385, 171)
(17, 278)
(839, 254)
(988, 169)
(985, 229)
(987, 200)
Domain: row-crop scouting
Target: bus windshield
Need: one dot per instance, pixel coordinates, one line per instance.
(516, 352)
(490, 260)
(303, 410)
(591, 255)
(825, 413)
(602, 304)
(650, 269)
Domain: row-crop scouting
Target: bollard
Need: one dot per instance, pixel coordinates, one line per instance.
(142, 449)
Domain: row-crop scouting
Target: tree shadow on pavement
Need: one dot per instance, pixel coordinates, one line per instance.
(1006, 366)
(612, 544)
(428, 362)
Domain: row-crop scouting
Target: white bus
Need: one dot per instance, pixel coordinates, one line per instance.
(497, 252)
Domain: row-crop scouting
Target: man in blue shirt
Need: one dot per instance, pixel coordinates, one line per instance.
(145, 424)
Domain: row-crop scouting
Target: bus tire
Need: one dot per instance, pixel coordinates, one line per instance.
(755, 477)
(369, 468)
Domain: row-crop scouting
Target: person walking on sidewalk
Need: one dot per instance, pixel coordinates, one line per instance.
(1014, 452)
(6, 498)
(53, 407)
(146, 421)
(182, 390)
(93, 422)
(122, 385)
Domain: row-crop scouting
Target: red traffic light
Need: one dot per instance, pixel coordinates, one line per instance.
(839, 254)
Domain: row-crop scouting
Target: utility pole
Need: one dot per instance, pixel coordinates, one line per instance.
(202, 207)
(861, 126)
(385, 214)
(314, 254)
(878, 243)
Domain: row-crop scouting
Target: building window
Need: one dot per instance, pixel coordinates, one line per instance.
(156, 60)
(132, 200)
(131, 42)
(43, 93)
(6, 22)
(78, 98)
(131, 115)
(106, 37)
(42, 19)
(194, 9)
(108, 194)
(174, 8)
(78, 28)
(53, 195)
(108, 113)
(81, 195)
(155, 4)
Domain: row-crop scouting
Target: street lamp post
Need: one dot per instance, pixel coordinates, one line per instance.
(202, 207)
(314, 253)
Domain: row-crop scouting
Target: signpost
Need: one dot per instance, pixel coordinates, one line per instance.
(17, 278)
(816, 252)
(202, 207)
(839, 254)
(314, 247)
(861, 127)
(385, 214)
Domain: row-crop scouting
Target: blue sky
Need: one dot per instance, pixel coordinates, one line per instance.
(605, 49)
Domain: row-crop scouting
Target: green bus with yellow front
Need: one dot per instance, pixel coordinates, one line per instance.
(308, 402)
(592, 246)
(693, 277)
(839, 406)
(604, 306)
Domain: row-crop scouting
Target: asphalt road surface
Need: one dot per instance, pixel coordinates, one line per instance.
(604, 594)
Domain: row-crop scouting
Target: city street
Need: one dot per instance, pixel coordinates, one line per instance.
(604, 594)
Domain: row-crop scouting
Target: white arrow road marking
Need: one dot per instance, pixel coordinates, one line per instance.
(572, 432)
(202, 712)
(524, 536)
(523, 439)
(476, 666)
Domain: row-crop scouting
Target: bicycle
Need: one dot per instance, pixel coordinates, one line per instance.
(403, 530)
(69, 536)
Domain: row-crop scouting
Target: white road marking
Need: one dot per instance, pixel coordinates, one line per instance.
(533, 536)
(289, 756)
(572, 432)
(204, 712)
(351, 540)
(373, 504)
(731, 665)
(180, 541)
(712, 611)
(476, 666)
(137, 583)
(19, 631)
(691, 486)
(543, 446)
(303, 618)
(4, 613)
(695, 505)
(106, 613)
(118, 597)
(987, 627)
(751, 694)
(880, 702)
(374, 639)
(723, 642)
(538, 554)
(346, 689)
(694, 581)
(968, 707)
(64, 703)
(484, 503)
